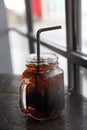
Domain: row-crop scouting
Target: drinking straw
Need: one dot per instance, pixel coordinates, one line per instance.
(38, 38)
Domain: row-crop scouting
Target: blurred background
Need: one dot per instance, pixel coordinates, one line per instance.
(45, 13)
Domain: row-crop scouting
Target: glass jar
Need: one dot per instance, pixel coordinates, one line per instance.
(42, 87)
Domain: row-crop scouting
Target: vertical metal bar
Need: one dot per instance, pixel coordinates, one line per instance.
(77, 39)
(73, 35)
(28, 6)
(70, 40)
(77, 21)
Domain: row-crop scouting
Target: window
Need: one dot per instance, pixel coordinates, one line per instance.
(69, 43)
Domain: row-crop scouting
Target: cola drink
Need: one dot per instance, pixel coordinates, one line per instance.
(42, 91)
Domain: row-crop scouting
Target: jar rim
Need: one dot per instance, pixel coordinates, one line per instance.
(45, 58)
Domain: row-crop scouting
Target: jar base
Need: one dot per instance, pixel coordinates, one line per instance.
(43, 118)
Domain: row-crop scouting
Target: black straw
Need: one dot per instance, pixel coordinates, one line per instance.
(38, 38)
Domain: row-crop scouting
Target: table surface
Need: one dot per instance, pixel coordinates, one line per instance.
(74, 116)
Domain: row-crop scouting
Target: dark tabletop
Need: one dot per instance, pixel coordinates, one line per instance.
(74, 116)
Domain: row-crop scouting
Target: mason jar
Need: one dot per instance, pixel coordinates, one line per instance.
(42, 87)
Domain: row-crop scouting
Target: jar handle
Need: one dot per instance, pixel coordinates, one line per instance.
(23, 86)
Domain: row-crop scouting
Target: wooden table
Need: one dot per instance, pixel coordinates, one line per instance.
(74, 116)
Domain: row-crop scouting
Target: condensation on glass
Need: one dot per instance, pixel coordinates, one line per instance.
(42, 87)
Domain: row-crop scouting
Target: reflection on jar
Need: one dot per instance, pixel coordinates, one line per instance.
(42, 88)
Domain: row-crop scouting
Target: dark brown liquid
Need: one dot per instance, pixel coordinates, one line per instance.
(44, 93)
